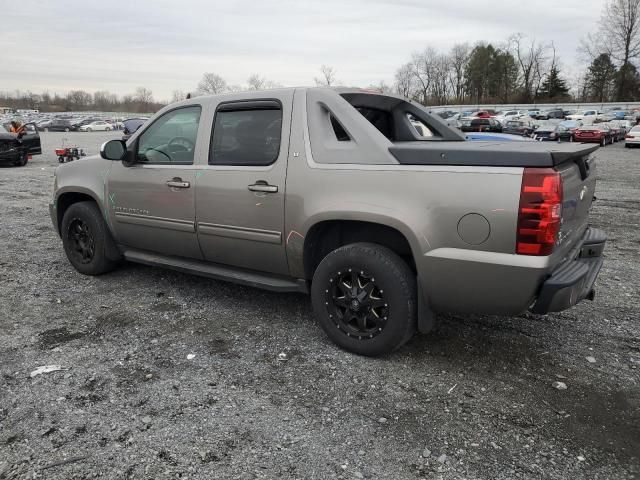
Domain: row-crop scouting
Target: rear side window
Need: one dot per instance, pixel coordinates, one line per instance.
(380, 119)
(249, 137)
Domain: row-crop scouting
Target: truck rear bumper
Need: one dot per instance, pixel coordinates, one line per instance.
(573, 281)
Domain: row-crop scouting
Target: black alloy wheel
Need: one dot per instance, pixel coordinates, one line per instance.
(364, 297)
(81, 240)
(87, 240)
(356, 304)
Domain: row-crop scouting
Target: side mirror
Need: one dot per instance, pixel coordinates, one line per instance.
(113, 150)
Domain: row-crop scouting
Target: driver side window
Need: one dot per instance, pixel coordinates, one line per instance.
(171, 138)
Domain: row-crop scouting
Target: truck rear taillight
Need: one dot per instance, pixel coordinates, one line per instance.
(540, 211)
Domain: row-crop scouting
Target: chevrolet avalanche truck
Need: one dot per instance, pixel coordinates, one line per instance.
(368, 202)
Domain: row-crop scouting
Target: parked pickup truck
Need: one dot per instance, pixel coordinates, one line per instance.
(335, 192)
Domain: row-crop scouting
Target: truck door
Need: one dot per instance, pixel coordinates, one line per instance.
(240, 192)
(151, 203)
(31, 139)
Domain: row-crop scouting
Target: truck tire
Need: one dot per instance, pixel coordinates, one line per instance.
(86, 239)
(364, 297)
(22, 161)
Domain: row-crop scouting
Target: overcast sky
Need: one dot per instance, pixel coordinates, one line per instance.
(59, 45)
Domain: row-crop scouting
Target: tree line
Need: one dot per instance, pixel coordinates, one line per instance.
(518, 70)
(140, 101)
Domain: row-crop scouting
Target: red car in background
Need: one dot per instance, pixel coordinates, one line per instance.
(482, 114)
(594, 133)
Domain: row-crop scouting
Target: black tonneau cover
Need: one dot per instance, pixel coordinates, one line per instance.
(489, 153)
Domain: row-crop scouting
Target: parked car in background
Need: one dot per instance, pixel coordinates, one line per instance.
(533, 113)
(518, 127)
(594, 134)
(617, 132)
(586, 116)
(60, 125)
(131, 125)
(499, 137)
(626, 125)
(619, 114)
(446, 114)
(15, 149)
(632, 138)
(556, 133)
(481, 125)
(80, 122)
(42, 124)
(99, 125)
(554, 113)
(571, 125)
(481, 114)
(506, 115)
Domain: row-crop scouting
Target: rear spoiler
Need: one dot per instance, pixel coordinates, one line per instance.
(491, 154)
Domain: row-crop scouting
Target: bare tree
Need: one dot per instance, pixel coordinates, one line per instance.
(440, 66)
(381, 87)
(327, 76)
(78, 99)
(212, 84)
(143, 95)
(620, 30)
(143, 98)
(531, 59)
(178, 96)
(102, 100)
(256, 82)
(404, 81)
(459, 57)
(422, 65)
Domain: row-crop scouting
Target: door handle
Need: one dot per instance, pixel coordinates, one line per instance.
(262, 186)
(177, 182)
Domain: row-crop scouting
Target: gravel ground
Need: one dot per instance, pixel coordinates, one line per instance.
(174, 376)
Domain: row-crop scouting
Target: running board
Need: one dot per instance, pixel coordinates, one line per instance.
(242, 276)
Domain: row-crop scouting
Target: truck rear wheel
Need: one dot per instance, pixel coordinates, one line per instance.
(86, 238)
(364, 297)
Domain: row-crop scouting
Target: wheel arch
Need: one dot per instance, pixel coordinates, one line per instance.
(326, 235)
(67, 198)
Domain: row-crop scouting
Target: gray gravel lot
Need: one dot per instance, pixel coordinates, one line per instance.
(174, 376)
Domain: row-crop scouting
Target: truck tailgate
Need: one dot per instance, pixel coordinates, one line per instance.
(578, 172)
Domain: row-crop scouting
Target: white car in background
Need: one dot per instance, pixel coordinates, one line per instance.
(626, 124)
(632, 138)
(96, 126)
(586, 116)
(506, 115)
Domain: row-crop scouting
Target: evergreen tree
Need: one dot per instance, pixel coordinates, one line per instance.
(627, 82)
(491, 74)
(600, 78)
(554, 86)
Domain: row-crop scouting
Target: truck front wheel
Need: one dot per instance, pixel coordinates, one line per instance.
(364, 297)
(86, 239)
